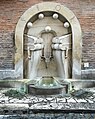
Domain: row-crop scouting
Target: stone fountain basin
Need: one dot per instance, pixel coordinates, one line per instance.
(47, 86)
(48, 82)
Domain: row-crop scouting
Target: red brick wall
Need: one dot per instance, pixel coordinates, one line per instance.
(11, 11)
(85, 12)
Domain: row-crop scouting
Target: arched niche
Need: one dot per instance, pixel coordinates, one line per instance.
(75, 28)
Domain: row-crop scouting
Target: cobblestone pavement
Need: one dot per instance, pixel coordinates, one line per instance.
(50, 116)
(50, 102)
(21, 108)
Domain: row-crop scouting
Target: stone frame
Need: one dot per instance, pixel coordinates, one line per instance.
(76, 35)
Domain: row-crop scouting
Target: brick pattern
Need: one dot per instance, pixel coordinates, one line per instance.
(11, 11)
(85, 12)
(6, 51)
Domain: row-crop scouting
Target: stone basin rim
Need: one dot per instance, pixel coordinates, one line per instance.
(48, 88)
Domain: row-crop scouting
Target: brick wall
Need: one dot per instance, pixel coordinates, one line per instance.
(11, 11)
(85, 12)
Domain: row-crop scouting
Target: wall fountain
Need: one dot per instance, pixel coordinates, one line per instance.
(48, 42)
(48, 52)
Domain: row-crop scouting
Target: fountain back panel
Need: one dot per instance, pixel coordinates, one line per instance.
(47, 53)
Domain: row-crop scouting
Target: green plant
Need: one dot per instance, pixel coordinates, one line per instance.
(14, 94)
(81, 93)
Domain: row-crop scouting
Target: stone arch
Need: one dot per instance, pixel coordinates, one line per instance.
(76, 34)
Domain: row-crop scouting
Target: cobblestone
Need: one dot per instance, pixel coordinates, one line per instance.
(50, 116)
(48, 102)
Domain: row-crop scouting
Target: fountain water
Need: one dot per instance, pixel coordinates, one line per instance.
(47, 86)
